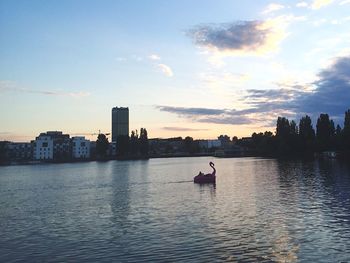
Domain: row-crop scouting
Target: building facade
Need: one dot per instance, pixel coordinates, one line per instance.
(19, 151)
(52, 145)
(80, 148)
(43, 147)
(120, 122)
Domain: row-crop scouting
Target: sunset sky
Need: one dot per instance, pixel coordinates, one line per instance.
(183, 67)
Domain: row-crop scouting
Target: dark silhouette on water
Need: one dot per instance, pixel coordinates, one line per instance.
(206, 178)
(291, 140)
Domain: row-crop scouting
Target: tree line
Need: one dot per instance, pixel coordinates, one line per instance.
(133, 146)
(292, 139)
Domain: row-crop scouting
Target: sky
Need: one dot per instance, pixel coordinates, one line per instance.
(183, 67)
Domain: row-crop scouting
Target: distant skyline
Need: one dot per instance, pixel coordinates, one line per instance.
(184, 68)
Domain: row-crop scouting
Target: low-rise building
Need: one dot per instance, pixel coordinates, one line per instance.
(52, 145)
(19, 151)
(43, 147)
(80, 148)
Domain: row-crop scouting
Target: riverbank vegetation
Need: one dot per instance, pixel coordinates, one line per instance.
(291, 139)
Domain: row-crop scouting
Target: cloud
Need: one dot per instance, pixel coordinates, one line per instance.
(344, 2)
(317, 4)
(209, 115)
(11, 86)
(242, 38)
(166, 70)
(302, 4)
(330, 93)
(272, 8)
(154, 57)
(183, 129)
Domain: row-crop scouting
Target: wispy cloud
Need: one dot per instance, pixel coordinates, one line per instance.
(154, 57)
(272, 8)
(166, 70)
(10, 86)
(317, 4)
(182, 129)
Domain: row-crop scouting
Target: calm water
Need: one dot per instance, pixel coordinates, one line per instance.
(261, 210)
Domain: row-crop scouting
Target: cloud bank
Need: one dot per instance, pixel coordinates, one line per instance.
(330, 94)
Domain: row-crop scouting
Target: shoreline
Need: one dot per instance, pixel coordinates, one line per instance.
(341, 156)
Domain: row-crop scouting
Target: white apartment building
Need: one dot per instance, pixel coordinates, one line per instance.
(80, 147)
(43, 148)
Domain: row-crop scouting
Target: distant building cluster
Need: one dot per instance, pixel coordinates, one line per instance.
(59, 147)
(55, 146)
(50, 146)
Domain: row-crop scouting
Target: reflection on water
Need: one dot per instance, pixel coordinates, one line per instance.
(260, 210)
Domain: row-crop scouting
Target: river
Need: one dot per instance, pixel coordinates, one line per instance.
(260, 210)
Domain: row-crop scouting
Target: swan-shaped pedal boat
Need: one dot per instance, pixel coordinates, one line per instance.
(209, 178)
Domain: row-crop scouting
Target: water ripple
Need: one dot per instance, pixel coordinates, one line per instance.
(261, 210)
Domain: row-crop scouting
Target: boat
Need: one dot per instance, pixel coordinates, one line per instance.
(209, 178)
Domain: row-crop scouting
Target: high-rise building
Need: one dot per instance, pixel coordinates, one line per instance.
(120, 122)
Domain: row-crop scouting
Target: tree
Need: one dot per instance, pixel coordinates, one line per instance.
(144, 145)
(324, 132)
(134, 143)
(283, 132)
(283, 128)
(102, 145)
(225, 140)
(306, 134)
(346, 130)
(234, 139)
(188, 141)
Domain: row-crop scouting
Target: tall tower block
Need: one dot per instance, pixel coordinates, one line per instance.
(120, 122)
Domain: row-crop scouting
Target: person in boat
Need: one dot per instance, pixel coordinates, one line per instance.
(200, 173)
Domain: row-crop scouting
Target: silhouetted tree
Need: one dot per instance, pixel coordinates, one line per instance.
(234, 139)
(338, 138)
(346, 130)
(188, 141)
(306, 134)
(283, 132)
(262, 143)
(102, 145)
(144, 145)
(225, 140)
(324, 132)
(134, 143)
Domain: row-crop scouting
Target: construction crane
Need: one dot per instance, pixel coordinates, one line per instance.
(91, 134)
